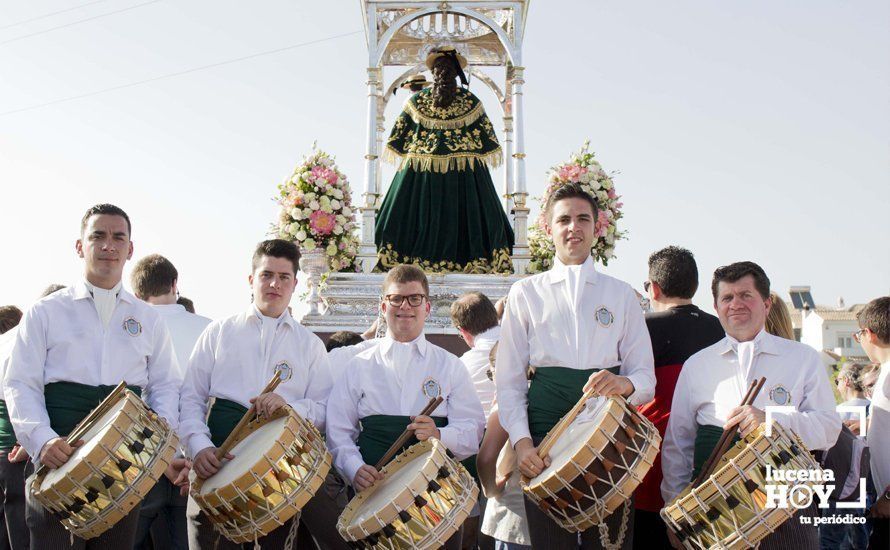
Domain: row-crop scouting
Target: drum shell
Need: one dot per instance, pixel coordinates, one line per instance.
(298, 438)
(620, 426)
(752, 523)
(388, 515)
(133, 486)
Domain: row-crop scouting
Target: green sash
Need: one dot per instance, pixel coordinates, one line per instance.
(7, 435)
(67, 403)
(552, 393)
(379, 431)
(224, 416)
(706, 438)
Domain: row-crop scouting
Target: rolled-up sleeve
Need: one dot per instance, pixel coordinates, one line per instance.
(635, 350)
(343, 426)
(23, 390)
(466, 421)
(511, 381)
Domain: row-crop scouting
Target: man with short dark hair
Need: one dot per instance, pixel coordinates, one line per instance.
(343, 338)
(580, 329)
(874, 337)
(155, 281)
(392, 381)
(476, 321)
(677, 329)
(73, 347)
(233, 361)
(714, 381)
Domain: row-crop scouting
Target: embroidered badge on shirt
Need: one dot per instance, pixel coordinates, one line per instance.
(780, 395)
(283, 370)
(604, 317)
(431, 388)
(132, 326)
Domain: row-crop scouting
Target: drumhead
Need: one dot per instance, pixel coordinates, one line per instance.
(92, 438)
(247, 452)
(388, 489)
(574, 438)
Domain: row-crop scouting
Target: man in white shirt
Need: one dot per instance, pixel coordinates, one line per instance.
(578, 329)
(714, 381)
(233, 361)
(155, 281)
(391, 382)
(73, 347)
(874, 337)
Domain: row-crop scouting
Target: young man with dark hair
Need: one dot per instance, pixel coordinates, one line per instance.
(677, 329)
(155, 281)
(714, 381)
(579, 329)
(874, 337)
(73, 347)
(232, 361)
(392, 381)
(343, 338)
(476, 321)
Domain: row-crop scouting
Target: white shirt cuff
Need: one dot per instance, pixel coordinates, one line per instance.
(197, 443)
(39, 437)
(517, 433)
(351, 467)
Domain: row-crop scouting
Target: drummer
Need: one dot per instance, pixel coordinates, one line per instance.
(714, 380)
(73, 347)
(233, 361)
(579, 329)
(392, 381)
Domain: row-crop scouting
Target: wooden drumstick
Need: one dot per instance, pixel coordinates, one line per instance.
(727, 436)
(406, 435)
(103, 407)
(251, 412)
(561, 426)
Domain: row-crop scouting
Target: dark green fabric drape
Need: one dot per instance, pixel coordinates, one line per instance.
(67, 403)
(706, 438)
(552, 393)
(379, 431)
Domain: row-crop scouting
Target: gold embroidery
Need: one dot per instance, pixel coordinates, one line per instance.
(499, 263)
(463, 111)
(442, 163)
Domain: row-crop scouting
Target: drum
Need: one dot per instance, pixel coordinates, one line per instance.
(126, 450)
(421, 502)
(278, 466)
(728, 510)
(595, 465)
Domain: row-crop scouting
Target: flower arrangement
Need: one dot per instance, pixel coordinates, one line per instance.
(581, 168)
(317, 213)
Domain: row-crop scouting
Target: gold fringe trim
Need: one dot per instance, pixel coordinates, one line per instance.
(442, 164)
(499, 263)
(439, 124)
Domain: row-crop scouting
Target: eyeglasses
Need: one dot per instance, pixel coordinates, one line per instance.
(396, 300)
(858, 334)
(646, 285)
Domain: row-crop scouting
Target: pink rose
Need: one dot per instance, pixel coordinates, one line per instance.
(321, 222)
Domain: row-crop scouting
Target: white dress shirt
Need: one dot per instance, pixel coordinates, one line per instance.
(7, 340)
(389, 379)
(573, 317)
(184, 327)
(714, 381)
(235, 358)
(62, 339)
(476, 361)
(878, 432)
(340, 357)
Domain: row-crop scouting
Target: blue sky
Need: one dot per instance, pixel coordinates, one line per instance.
(742, 130)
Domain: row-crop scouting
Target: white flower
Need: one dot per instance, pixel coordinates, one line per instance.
(307, 212)
(340, 219)
(324, 199)
(309, 196)
(338, 230)
(331, 250)
(335, 204)
(300, 235)
(326, 208)
(295, 179)
(295, 213)
(347, 211)
(314, 205)
(309, 244)
(337, 193)
(293, 228)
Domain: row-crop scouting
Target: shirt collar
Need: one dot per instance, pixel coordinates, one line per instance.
(764, 342)
(83, 290)
(253, 315)
(559, 269)
(387, 342)
(491, 334)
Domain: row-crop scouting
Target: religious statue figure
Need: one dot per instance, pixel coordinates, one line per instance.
(442, 212)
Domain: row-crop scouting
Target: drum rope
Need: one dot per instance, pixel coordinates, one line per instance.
(622, 530)
(292, 534)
